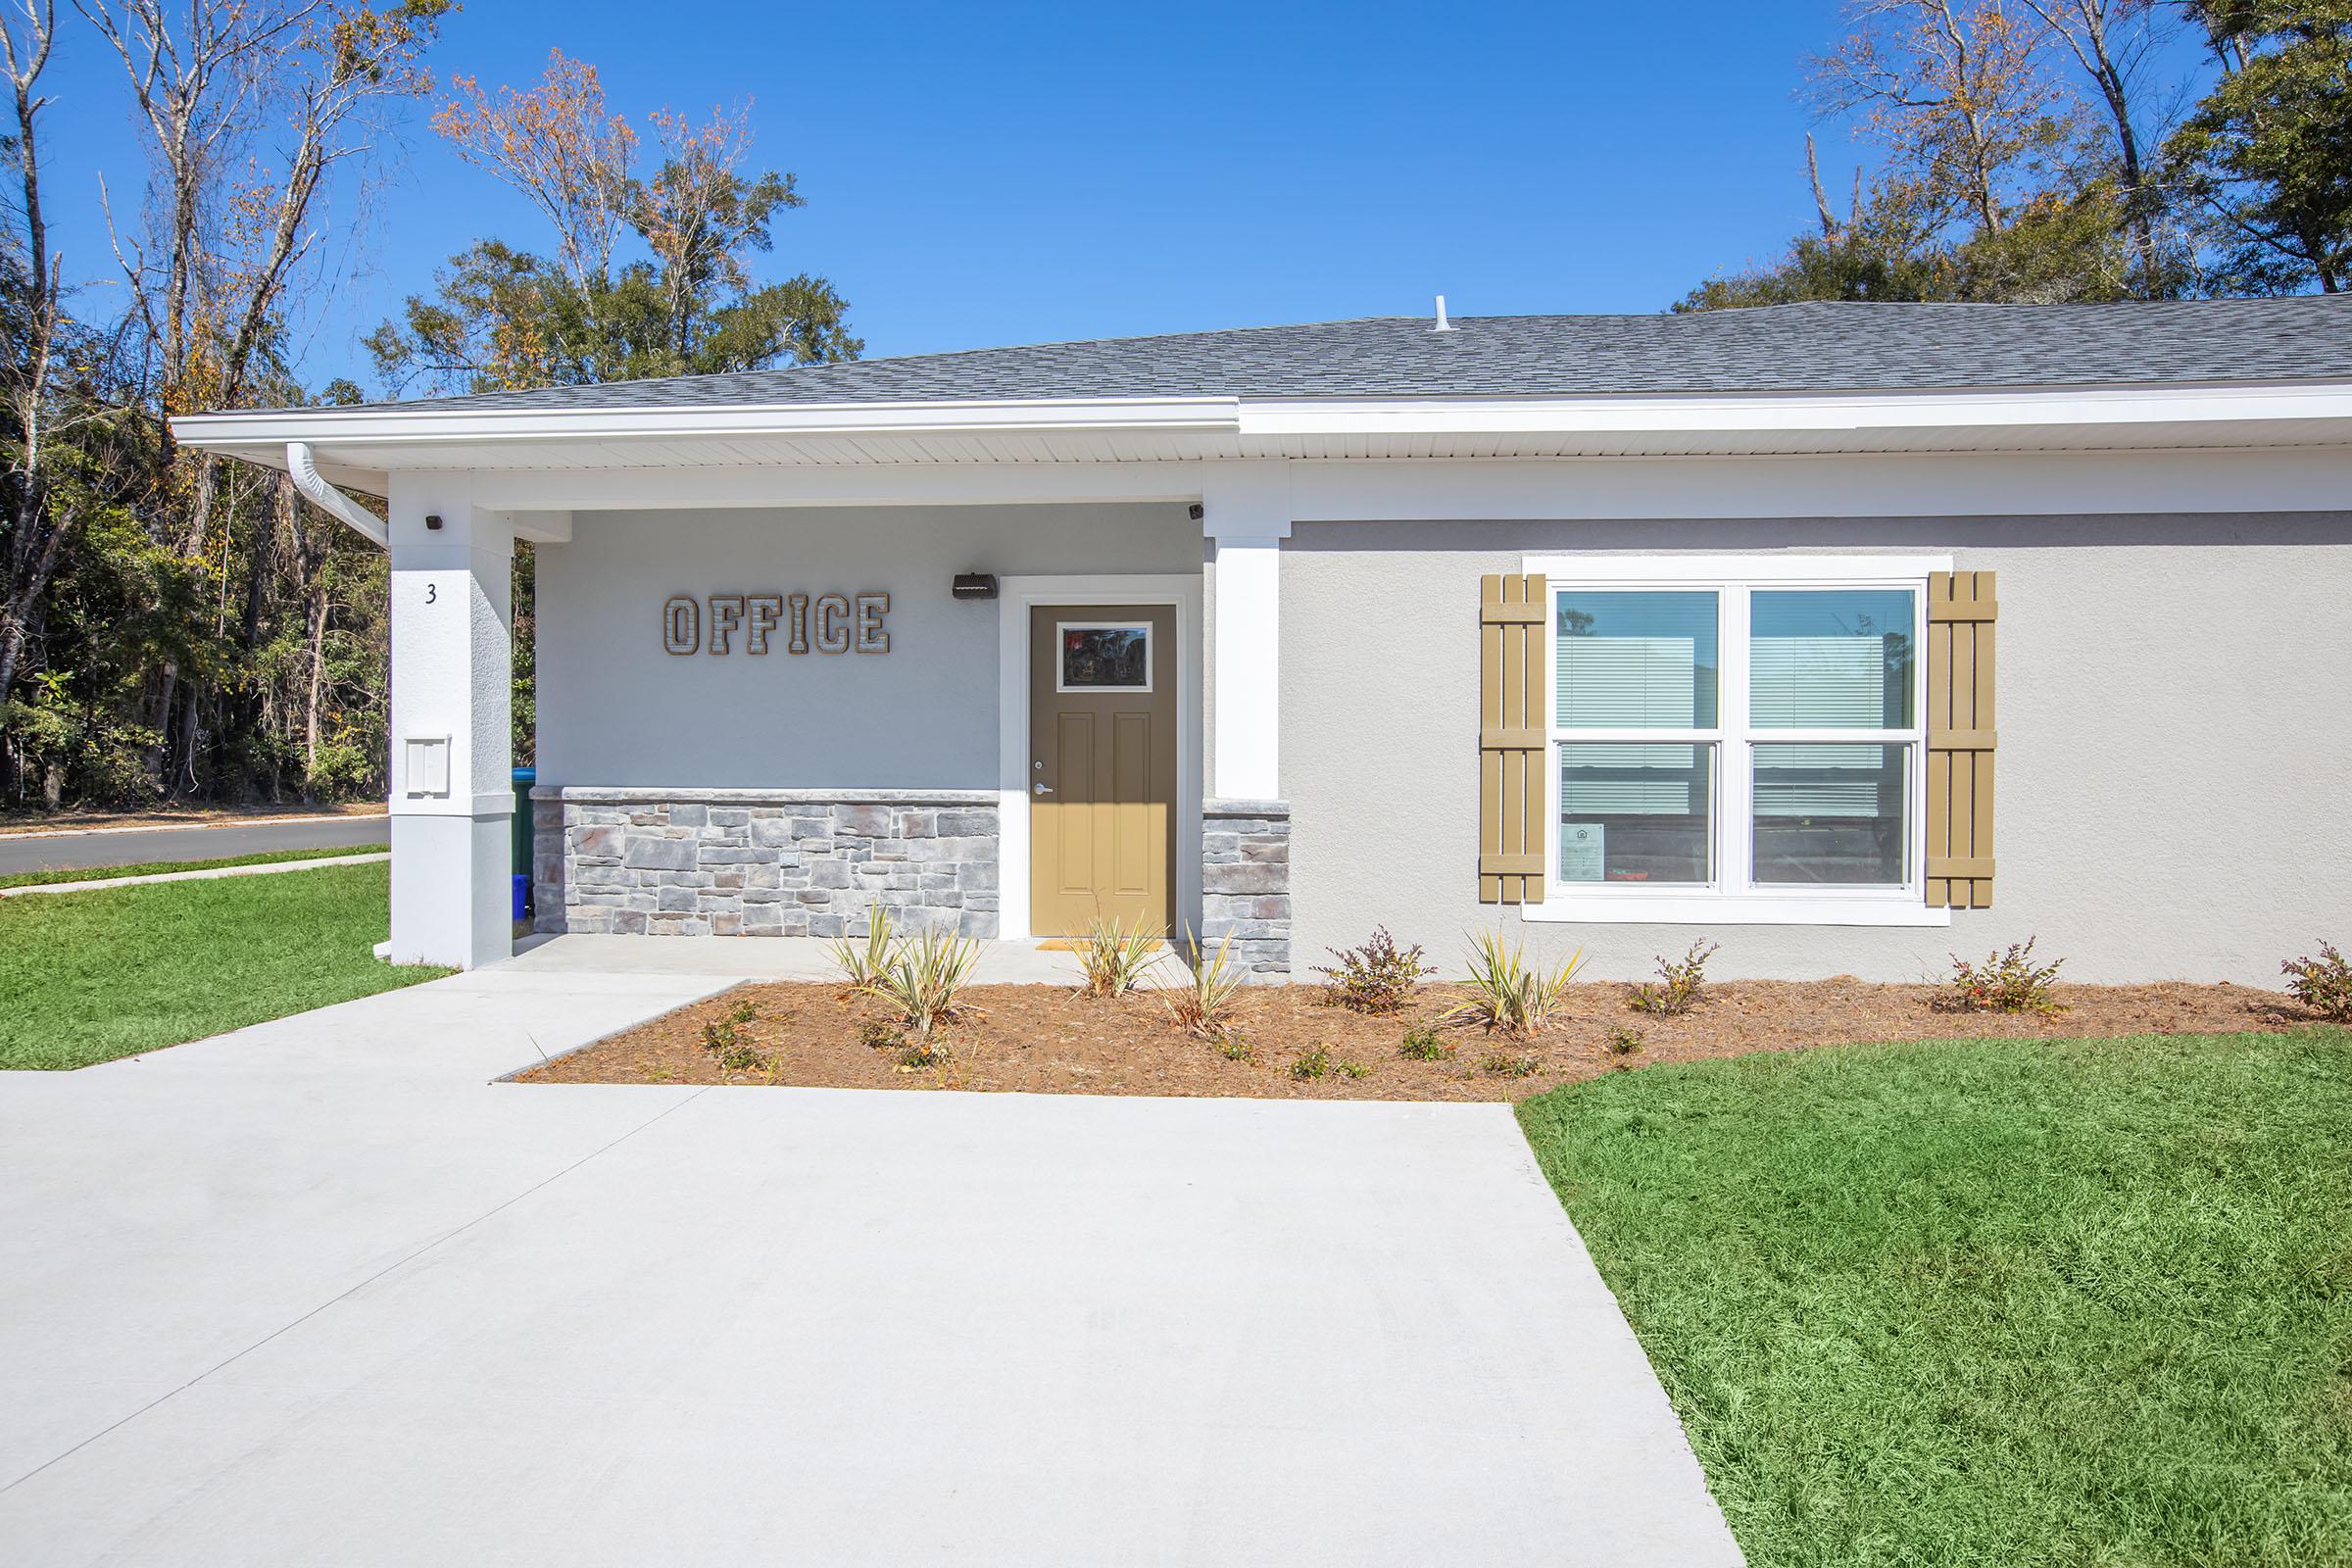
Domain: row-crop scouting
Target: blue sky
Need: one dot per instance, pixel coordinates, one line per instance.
(987, 174)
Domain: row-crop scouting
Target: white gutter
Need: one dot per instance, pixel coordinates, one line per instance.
(1771, 414)
(331, 501)
(363, 427)
(354, 435)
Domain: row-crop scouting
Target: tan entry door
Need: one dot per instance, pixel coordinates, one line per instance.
(1102, 766)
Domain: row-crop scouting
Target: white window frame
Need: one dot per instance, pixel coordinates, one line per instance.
(1732, 898)
(1061, 654)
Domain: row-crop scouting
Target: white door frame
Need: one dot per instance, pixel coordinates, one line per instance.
(1015, 597)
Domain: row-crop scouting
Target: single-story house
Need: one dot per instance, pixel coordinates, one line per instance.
(1846, 635)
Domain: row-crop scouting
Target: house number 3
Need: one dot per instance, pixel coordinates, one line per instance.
(433, 593)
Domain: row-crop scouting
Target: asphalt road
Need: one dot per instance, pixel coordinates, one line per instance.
(73, 851)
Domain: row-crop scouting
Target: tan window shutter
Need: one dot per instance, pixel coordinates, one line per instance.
(1513, 725)
(1961, 610)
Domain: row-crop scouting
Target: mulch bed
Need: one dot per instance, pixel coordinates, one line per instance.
(1039, 1038)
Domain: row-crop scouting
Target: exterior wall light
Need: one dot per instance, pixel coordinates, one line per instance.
(974, 585)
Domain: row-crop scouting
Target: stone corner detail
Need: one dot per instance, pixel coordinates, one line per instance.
(1245, 883)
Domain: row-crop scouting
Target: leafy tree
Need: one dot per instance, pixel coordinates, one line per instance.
(2113, 43)
(1991, 184)
(170, 624)
(1958, 94)
(2268, 155)
(175, 627)
(504, 318)
(2050, 246)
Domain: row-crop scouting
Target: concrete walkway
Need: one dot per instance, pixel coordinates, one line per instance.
(320, 1292)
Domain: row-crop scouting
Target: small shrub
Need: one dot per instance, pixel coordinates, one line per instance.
(1679, 982)
(1625, 1040)
(923, 978)
(925, 1052)
(1425, 1044)
(746, 1057)
(1233, 1045)
(724, 1034)
(2006, 982)
(862, 965)
(1116, 956)
(1203, 1008)
(876, 1034)
(1351, 1069)
(1507, 993)
(1508, 1064)
(2322, 984)
(1375, 977)
(1313, 1063)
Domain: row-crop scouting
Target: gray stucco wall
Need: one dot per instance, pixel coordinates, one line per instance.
(2175, 776)
(614, 709)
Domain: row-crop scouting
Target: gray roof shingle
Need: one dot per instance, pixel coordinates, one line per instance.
(1820, 347)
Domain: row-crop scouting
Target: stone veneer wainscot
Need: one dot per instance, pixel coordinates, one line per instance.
(1245, 883)
(762, 862)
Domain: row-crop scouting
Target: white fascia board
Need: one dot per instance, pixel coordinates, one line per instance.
(355, 444)
(1942, 484)
(1792, 413)
(348, 430)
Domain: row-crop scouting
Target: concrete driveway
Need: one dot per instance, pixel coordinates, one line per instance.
(319, 1291)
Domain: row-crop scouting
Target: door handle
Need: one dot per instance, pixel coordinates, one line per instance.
(1040, 788)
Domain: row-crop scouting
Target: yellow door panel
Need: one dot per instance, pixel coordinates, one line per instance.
(1103, 768)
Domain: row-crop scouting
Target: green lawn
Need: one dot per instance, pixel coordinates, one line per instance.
(90, 976)
(2079, 1302)
(109, 873)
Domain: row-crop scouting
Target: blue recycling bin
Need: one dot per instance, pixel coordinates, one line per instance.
(524, 778)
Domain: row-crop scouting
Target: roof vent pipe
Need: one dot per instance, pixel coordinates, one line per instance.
(1444, 325)
(329, 500)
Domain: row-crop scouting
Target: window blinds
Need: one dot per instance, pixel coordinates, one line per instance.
(1628, 682)
(1822, 683)
(1634, 780)
(1816, 682)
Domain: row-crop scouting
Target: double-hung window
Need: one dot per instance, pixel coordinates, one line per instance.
(1738, 739)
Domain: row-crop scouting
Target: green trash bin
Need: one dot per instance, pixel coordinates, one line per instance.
(524, 778)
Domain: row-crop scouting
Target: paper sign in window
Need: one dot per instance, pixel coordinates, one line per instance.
(1105, 656)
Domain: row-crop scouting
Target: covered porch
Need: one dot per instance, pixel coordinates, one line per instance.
(768, 710)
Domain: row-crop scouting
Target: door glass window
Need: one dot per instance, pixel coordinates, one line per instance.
(1102, 656)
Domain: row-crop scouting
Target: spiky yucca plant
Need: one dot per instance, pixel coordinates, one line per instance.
(1116, 956)
(922, 978)
(1202, 1006)
(1507, 993)
(863, 964)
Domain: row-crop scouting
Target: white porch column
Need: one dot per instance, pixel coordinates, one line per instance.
(1245, 510)
(453, 794)
(1247, 671)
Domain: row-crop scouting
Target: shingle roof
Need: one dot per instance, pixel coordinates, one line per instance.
(1819, 347)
